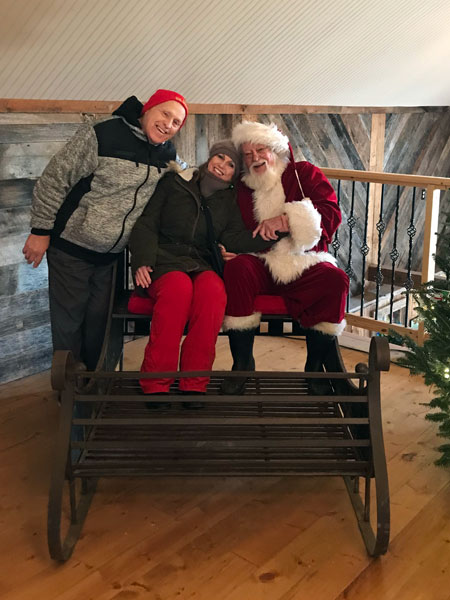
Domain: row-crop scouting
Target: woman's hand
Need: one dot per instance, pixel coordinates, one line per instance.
(226, 255)
(35, 248)
(142, 276)
(267, 229)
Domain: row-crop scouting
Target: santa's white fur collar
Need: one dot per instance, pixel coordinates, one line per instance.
(291, 256)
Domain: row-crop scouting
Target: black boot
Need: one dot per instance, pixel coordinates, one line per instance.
(318, 345)
(241, 346)
(333, 363)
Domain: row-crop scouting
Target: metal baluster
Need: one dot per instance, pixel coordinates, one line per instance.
(336, 244)
(351, 222)
(411, 231)
(394, 254)
(364, 250)
(381, 228)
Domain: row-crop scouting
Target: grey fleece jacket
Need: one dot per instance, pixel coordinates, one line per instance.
(93, 191)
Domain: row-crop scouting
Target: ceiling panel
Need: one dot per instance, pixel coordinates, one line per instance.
(310, 52)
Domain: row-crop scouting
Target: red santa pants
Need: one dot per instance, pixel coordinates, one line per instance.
(198, 300)
(318, 295)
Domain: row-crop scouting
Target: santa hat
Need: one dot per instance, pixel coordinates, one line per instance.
(161, 96)
(258, 133)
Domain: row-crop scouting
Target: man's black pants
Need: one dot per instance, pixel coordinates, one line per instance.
(79, 294)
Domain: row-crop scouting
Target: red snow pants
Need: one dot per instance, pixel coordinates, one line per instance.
(197, 300)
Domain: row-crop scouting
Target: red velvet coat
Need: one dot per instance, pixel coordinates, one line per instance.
(315, 186)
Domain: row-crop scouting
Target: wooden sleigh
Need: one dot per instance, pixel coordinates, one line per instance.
(106, 429)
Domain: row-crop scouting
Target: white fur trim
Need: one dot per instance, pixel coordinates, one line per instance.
(174, 166)
(241, 323)
(304, 223)
(286, 263)
(331, 328)
(187, 174)
(258, 133)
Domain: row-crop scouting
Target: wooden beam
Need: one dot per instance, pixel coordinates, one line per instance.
(442, 183)
(21, 105)
(380, 326)
(57, 106)
(376, 163)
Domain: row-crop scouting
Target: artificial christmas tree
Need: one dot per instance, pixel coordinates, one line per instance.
(432, 360)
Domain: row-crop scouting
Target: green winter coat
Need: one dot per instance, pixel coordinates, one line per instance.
(171, 233)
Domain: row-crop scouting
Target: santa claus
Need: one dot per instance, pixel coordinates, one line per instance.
(276, 194)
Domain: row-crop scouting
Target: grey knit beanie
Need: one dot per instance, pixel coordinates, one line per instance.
(227, 147)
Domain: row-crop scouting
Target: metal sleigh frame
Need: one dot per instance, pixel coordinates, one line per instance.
(107, 429)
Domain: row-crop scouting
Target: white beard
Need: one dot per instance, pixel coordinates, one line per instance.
(268, 195)
(267, 180)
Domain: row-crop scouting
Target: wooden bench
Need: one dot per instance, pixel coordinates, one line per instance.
(107, 429)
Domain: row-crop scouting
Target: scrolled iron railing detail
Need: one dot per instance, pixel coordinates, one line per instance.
(365, 249)
(336, 244)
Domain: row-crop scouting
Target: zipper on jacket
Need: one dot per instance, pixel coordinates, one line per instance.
(197, 202)
(134, 204)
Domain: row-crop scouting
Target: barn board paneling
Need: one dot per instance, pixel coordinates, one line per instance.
(25, 149)
(16, 192)
(25, 338)
(419, 145)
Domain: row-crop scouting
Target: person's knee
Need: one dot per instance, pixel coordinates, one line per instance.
(211, 289)
(341, 280)
(334, 279)
(243, 263)
(243, 269)
(175, 286)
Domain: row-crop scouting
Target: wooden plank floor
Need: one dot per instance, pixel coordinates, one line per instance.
(233, 539)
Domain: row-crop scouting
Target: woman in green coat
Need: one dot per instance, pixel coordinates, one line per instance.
(172, 256)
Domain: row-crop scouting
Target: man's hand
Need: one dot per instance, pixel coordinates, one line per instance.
(226, 255)
(35, 248)
(267, 229)
(142, 276)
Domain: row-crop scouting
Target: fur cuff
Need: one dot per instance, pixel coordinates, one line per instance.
(285, 264)
(331, 328)
(241, 323)
(304, 223)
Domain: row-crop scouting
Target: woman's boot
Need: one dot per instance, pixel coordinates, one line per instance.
(241, 346)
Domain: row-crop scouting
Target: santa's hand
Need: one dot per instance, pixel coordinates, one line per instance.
(142, 276)
(268, 228)
(226, 255)
(35, 248)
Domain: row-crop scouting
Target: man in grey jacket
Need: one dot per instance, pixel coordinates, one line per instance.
(85, 205)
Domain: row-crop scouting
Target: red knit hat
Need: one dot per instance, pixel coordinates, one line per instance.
(161, 96)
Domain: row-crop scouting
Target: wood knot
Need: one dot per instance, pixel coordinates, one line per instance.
(265, 577)
(409, 456)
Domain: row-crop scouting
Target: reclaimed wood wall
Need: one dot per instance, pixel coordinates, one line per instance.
(416, 142)
(27, 142)
(420, 145)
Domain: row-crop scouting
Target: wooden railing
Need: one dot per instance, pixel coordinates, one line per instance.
(425, 222)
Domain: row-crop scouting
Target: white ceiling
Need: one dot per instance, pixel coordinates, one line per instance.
(308, 52)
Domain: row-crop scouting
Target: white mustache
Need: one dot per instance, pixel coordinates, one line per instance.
(257, 163)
